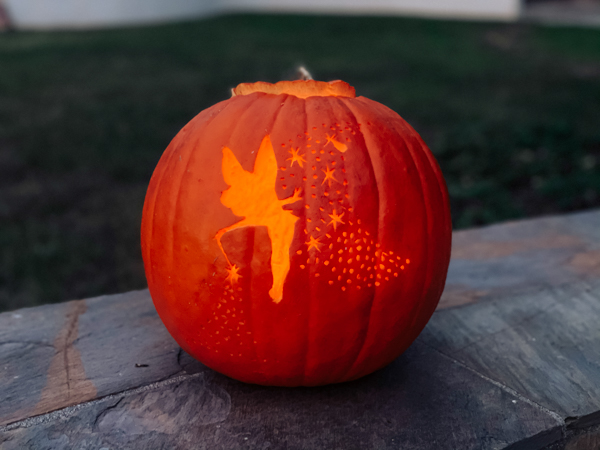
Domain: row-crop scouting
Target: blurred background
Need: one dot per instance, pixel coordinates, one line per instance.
(506, 93)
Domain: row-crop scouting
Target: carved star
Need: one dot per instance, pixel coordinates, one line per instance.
(232, 274)
(313, 243)
(328, 175)
(335, 219)
(296, 157)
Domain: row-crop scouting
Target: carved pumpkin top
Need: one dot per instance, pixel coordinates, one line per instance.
(299, 88)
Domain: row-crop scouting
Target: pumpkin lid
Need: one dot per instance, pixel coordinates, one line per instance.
(299, 88)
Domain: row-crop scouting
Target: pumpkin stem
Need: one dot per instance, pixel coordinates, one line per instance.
(304, 74)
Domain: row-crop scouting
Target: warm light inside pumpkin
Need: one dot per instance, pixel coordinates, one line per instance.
(299, 88)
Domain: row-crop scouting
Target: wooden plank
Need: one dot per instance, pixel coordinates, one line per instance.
(523, 256)
(544, 345)
(422, 401)
(59, 355)
(508, 284)
(26, 351)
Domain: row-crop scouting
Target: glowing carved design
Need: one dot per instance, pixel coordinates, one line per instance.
(335, 219)
(313, 243)
(252, 195)
(328, 175)
(341, 250)
(232, 274)
(296, 157)
(338, 145)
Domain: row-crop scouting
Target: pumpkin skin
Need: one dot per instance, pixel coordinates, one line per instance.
(296, 235)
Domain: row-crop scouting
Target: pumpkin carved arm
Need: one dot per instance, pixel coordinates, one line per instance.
(293, 199)
(242, 223)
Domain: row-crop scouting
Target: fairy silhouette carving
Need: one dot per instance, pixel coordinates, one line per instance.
(252, 195)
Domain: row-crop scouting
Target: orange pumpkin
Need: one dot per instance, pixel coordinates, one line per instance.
(296, 235)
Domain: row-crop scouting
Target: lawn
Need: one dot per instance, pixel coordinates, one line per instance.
(511, 111)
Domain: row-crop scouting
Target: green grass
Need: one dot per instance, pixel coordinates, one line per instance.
(510, 111)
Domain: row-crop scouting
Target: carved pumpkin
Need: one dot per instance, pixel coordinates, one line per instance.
(296, 235)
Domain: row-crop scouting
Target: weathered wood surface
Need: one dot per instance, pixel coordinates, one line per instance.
(511, 359)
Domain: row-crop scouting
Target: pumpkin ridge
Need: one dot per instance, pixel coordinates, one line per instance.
(440, 179)
(192, 148)
(159, 172)
(269, 130)
(176, 210)
(314, 294)
(249, 315)
(276, 116)
(159, 182)
(247, 287)
(310, 297)
(324, 109)
(344, 103)
(172, 211)
(149, 208)
(427, 156)
(427, 210)
(374, 294)
(443, 190)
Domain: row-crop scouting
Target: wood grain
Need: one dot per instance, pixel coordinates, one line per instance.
(544, 345)
(66, 380)
(55, 356)
(523, 256)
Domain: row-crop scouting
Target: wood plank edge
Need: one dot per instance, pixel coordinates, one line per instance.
(540, 441)
(559, 420)
(580, 422)
(69, 411)
(579, 439)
